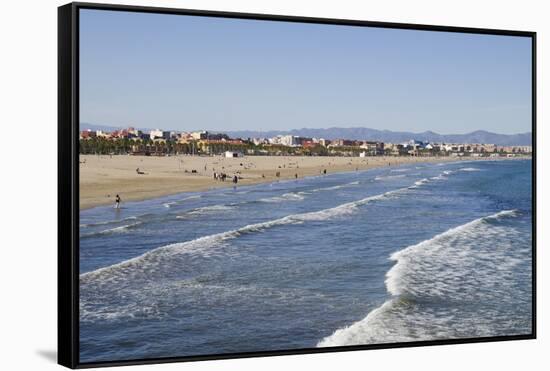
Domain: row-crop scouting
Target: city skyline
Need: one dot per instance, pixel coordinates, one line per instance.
(111, 127)
(259, 75)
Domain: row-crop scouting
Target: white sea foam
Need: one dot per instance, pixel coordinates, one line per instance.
(120, 229)
(291, 196)
(130, 268)
(340, 186)
(470, 169)
(469, 263)
(132, 277)
(86, 225)
(332, 188)
(212, 208)
(170, 204)
(96, 224)
(476, 230)
(418, 183)
(206, 210)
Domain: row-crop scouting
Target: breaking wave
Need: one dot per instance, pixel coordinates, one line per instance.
(438, 285)
(299, 196)
(170, 204)
(291, 196)
(420, 182)
(207, 210)
(132, 268)
(133, 275)
(96, 224)
(120, 229)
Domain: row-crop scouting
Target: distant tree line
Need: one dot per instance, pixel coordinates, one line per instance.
(120, 146)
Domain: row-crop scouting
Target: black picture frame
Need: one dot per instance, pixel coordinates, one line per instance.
(68, 180)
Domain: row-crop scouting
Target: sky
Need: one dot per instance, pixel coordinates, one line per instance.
(189, 73)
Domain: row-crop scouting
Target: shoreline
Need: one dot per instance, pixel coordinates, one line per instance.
(103, 177)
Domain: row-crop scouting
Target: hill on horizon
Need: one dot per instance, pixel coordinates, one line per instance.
(363, 133)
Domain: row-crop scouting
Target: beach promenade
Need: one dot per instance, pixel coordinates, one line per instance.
(102, 177)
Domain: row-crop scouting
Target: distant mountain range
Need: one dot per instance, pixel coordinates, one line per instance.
(359, 133)
(479, 136)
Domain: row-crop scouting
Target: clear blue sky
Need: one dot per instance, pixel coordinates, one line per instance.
(188, 73)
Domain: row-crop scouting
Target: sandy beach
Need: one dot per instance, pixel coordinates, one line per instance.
(103, 177)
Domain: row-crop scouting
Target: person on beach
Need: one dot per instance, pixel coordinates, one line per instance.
(117, 202)
(235, 179)
(296, 176)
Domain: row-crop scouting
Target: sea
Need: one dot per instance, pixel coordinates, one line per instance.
(423, 251)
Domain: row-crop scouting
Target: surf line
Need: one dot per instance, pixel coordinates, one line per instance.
(211, 240)
(367, 328)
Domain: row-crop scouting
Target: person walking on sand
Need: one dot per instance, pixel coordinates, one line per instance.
(117, 202)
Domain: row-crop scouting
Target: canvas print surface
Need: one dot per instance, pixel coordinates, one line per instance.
(253, 185)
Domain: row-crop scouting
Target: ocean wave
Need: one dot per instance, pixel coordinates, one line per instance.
(172, 203)
(331, 188)
(340, 186)
(150, 301)
(418, 183)
(169, 262)
(87, 225)
(443, 176)
(203, 244)
(120, 229)
(206, 210)
(106, 222)
(470, 169)
(478, 229)
(290, 196)
(471, 263)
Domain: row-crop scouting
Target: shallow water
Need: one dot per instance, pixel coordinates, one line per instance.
(416, 252)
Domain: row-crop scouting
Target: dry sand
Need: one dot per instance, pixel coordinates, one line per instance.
(102, 177)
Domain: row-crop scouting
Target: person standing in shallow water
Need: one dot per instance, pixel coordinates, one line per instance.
(117, 202)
